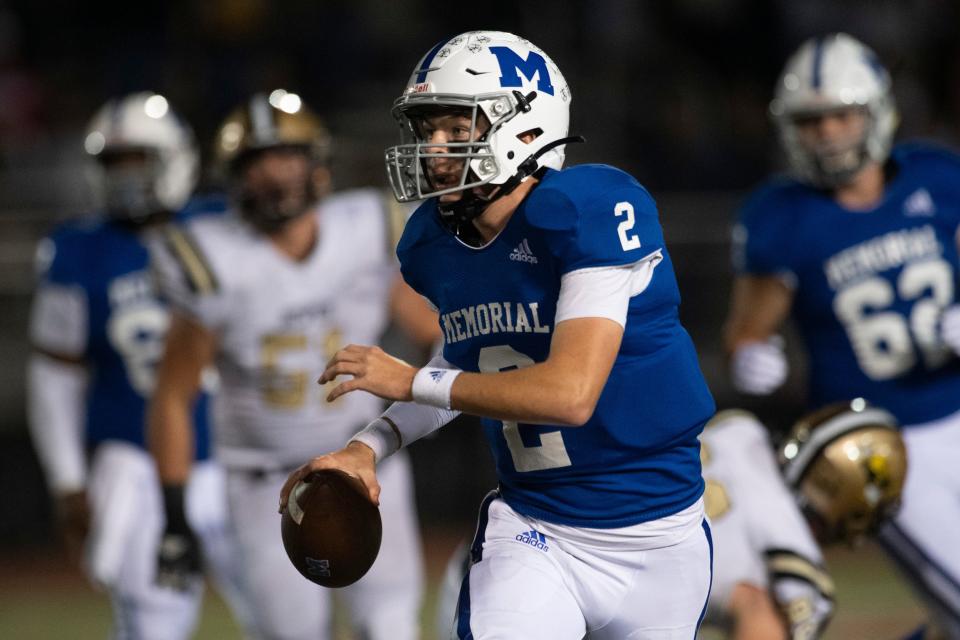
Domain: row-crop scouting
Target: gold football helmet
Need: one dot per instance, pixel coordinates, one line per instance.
(846, 464)
(282, 123)
(277, 119)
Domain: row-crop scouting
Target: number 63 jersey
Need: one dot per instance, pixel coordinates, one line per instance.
(278, 321)
(870, 286)
(637, 458)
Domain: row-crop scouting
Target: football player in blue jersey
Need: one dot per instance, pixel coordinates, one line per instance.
(97, 330)
(860, 246)
(558, 305)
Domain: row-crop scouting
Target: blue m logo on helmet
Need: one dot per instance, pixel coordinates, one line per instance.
(511, 63)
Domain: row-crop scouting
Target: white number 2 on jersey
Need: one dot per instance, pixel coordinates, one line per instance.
(551, 452)
(627, 240)
(882, 339)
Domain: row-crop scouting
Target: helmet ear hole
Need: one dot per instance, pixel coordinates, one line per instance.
(530, 135)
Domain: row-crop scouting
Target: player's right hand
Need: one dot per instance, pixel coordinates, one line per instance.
(950, 327)
(73, 517)
(759, 368)
(356, 459)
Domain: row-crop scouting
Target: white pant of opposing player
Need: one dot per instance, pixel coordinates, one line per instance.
(539, 581)
(752, 511)
(923, 538)
(121, 550)
(383, 605)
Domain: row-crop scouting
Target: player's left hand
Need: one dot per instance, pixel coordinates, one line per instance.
(373, 370)
(178, 560)
(179, 563)
(950, 327)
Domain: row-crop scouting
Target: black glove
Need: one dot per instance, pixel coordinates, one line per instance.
(178, 559)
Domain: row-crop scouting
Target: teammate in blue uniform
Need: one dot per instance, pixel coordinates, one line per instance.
(558, 306)
(97, 330)
(860, 245)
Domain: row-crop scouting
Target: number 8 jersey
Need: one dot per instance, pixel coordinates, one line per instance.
(96, 302)
(869, 286)
(637, 458)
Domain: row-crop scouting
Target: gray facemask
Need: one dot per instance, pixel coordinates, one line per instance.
(130, 194)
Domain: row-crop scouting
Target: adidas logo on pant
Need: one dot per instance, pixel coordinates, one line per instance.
(533, 538)
(522, 253)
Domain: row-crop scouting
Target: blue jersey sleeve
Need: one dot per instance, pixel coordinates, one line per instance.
(938, 169)
(60, 316)
(761, 239)
(59, 258)
(606, 219)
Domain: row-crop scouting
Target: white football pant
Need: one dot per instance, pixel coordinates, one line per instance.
(539, 581)
(126, 524)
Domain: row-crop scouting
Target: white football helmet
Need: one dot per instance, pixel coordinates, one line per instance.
(142, 122)
(825, 74)
(506, 78)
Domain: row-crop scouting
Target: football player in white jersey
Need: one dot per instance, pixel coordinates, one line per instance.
(97, 331)
(267, 293)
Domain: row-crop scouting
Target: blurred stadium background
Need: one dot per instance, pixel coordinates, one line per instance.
(675, 91)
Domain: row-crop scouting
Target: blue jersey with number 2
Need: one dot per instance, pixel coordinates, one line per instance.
(637, 458)
(870, 285)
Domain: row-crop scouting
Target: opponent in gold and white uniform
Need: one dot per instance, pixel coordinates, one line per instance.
(767, 566)
(268, 293)
(840, 476)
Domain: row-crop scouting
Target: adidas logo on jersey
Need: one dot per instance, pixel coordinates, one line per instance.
(522, 253)
(919, 204)
(533, 538)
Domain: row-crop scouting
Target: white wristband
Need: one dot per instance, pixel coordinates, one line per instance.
(432, 386)
(381, 435)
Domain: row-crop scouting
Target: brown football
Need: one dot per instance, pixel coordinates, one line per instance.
(330, 529)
